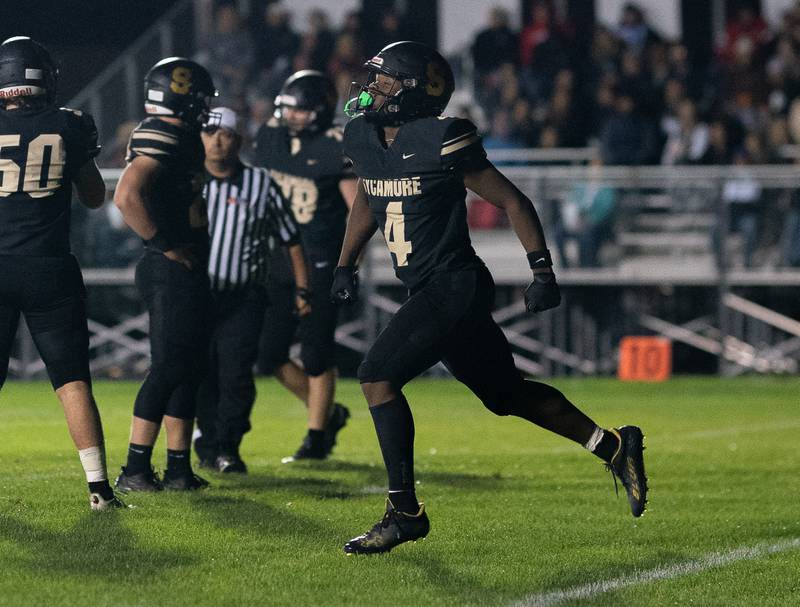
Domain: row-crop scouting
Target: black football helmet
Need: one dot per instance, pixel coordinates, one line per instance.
(27, 70)
(180, 88)
(425, 80)
(312, 91)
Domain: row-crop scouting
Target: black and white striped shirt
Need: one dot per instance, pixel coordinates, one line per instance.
(244, 211)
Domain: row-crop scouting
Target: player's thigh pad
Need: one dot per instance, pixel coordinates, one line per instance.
(280, 325)
(318, 329)
(55, 311)
(413, 340)
(479, 356)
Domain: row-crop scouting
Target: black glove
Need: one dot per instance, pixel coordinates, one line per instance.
(345, 285)
(543, 293)
(89, 133)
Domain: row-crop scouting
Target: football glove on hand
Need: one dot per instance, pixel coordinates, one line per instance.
(89, 130)
(543, 293)
(345, 285)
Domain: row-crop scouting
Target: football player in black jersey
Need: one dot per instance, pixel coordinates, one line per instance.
(413, 167)
(45, 151)
(160, 197)
(303, 151)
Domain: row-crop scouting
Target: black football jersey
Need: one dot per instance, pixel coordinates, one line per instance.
(40, 153)
(416, 191)
(176, 204)
(308, 168)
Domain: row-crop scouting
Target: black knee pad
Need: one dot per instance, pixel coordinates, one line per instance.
(316, 362)
(182, 403)
(66, 354)
(499, 396)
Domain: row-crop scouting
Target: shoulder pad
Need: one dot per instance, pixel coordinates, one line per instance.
(153, 138)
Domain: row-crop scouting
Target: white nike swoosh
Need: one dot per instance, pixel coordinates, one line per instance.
(322, 264)
(311, 162)
(538, 260)
(407, 156)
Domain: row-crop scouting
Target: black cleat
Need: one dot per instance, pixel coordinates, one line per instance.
(98, 503)
(337, 421)
(393, 529)
(208, 464)
(306, 451)
(627, 465)
(143, 481)
(184, 481)
(230, 464)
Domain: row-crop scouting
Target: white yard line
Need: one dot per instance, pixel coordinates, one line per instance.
(704, 563)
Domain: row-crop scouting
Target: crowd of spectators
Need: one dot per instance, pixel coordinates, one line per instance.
(640, 97)
(630, 94)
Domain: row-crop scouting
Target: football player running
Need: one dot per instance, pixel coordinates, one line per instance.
(160, 197)
(45, 151)
(413, 167)
(303, 151)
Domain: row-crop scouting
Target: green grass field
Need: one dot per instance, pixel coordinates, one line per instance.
(516, 513)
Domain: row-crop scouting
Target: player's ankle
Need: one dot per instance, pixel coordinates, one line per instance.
(404, 501)
(603, 443)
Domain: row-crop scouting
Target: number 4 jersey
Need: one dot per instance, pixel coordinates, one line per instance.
(415, 190)
(40, 153)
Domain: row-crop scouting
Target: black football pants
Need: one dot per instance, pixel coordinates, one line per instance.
(49, 292)
(228, 392)
(178, 302)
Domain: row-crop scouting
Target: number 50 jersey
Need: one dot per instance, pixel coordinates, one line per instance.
(415, 190)
(41, 151)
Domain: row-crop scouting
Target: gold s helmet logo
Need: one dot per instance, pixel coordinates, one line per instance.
(436, 80)
(181, 81)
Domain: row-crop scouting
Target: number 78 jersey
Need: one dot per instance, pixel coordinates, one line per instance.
(415, 190)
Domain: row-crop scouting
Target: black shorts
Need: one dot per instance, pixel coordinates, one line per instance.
(49, 292)
(316, 331)
(448, 319)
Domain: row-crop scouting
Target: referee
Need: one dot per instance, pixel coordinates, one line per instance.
(245, 211)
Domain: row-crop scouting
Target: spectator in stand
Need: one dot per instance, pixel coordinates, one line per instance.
(276, 41)
(746, 29)
(724, 135)
(494, 45)
(633, 29)
(627, 137)
(587, 216)
(688, 144)
(347, 59)
(790, 238)
(229, 54)
(501, 135)
(317, 43)
(742, 197)
(542, 51)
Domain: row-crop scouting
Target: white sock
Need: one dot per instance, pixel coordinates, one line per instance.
(594, 439)
(93, 460)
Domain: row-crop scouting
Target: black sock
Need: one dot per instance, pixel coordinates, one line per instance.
(178, 462)
(139, 458)
(395, 428)
(317, 438)
(103, 489)
(607, 446)
(404, 501)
